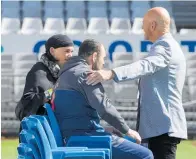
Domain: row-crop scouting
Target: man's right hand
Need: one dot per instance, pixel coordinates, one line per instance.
(135, 135)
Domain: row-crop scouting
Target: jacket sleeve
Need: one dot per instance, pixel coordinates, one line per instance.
(33, 95)
(98, 100)
(158, 58)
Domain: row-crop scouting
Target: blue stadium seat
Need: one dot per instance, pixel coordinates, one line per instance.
(115, 13)
(25, 152)
(31, 8)
(53, 4)
(54, 13)
(10, 4)
(75, 9)
(54, 125)
(118, 4)
(11, 13)
(97, 13)
(28, 138)
(36, 128)
(97, 4)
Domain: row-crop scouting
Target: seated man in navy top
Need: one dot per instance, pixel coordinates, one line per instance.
(78, 106)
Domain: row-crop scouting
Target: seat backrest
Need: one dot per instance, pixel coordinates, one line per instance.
(25, 150)
(54, 125)
(35, 126)
(120, 26)
(98, 25)
(31, 26)
(54, 25)
(97, 12)
(124, 13)
(91, 142)
(76, 25)
(27, 137)
(47, 129)
(10, 25)
(137, 26)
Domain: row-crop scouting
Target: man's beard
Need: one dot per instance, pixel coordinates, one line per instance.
(95, 66)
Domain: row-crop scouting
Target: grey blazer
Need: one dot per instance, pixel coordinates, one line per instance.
(162, 75)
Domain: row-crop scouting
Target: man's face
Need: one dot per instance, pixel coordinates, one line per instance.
(99, 62)
(147, 28)
(62, 54)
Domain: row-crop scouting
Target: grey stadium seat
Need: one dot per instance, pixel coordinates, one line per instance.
(120, 26)
(185, 94)
(192, 90)
(125, 93)
(6, 93)
(118, 63)
(127, 115)
(76, 26)
(24, 57)
(123, 56)
(10, 127)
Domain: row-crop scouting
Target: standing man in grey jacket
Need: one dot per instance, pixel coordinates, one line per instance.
(78, 106)
(161, 118)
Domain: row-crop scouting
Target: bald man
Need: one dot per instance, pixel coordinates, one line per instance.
(161, 117)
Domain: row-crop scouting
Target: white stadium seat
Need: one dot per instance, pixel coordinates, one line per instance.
(31, 26)
(76, 26)
(98, 26)
(137, 26)
(54, 26)
(187, 31)
(120, 26)
(10, 25)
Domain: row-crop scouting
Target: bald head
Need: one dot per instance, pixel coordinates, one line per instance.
(156, 22)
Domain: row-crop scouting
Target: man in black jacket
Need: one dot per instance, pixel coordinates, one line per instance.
(78, 106)
(43, 75)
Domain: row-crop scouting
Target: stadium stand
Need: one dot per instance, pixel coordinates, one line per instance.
(90, 17)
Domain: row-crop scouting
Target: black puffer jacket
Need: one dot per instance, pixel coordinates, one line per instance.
(38, 80)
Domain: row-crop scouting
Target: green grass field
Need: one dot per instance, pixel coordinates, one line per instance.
(186, 150)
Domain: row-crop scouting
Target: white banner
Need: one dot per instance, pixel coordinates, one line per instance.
(112, 43)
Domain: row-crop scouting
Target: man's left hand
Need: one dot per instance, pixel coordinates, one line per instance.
(99, 76)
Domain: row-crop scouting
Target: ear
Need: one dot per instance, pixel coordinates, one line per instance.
(52, 50)
(94, 56)
(153, 25)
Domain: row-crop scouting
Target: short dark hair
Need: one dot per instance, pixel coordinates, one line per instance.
(88, 47)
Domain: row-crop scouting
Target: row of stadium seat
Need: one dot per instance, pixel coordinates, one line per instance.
(77, 26)
(80, 9)
(16, 66)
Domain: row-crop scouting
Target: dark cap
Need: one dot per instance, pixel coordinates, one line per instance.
(57, 41)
